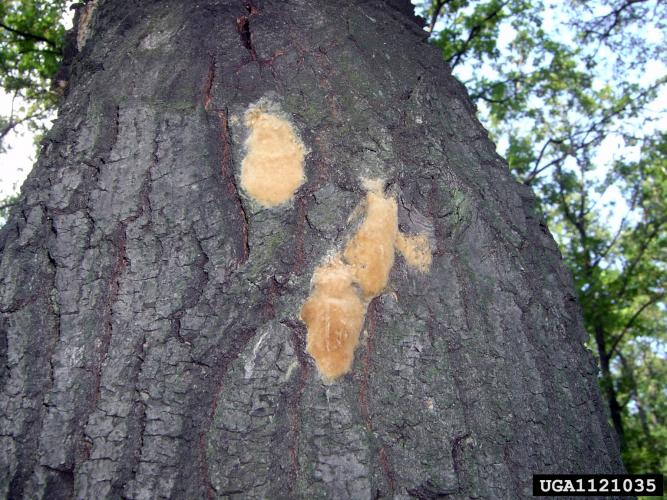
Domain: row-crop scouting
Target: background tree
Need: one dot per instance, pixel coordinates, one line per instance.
(559, 86)
(150, 342)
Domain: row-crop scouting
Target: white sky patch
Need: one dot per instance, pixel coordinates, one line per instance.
(17, 161)
(15, 164)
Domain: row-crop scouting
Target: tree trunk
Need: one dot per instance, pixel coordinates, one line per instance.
(151, 343)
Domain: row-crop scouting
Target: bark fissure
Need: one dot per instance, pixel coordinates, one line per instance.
(140, 405)
(140, 410)
(241, 340)
(208, 83)
(243, 28)
(381, 453)
(298, 341)
(192, 294)
(28, 437)
(54, 310)
(229, 180)
(300, 234)
(118, 242)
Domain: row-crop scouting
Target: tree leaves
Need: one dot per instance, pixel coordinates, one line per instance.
(31, 47)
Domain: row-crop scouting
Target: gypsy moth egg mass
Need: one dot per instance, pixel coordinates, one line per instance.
(416, 250)
(272, 169)
(371, 250)
(343, 286)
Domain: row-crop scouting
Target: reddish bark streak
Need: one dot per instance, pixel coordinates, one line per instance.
(208, 83)
(250, 7)
(242, 339)
(387, 467)
(120, 242)
(299, 346)
(363, 385)
(383, 454)
(230, 185)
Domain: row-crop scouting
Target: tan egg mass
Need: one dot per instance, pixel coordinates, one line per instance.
(416, 250)
(371, 250)
(334, 314)
(272, 169)
(342, 287)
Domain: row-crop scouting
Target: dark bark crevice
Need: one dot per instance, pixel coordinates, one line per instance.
(243, 28)
(137, 441)
(208, 83)
(231, 188)
(294, 409)
(241, 339)
(381, 455)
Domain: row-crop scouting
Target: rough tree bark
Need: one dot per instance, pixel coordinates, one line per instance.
(150, 341)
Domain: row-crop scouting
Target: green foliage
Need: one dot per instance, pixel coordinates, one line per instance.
(6, 205)
(557, 92)
(640, 383)
(472, 28)
(31, 48)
